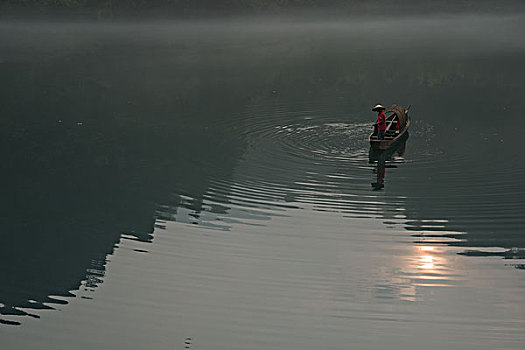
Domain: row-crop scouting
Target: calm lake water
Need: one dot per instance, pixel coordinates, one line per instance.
(207, 185)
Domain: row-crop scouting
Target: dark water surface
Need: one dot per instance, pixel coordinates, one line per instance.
(212, 181)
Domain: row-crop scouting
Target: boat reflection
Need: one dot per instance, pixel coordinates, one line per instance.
(384, 159)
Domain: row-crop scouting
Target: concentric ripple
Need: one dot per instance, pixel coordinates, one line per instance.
(297, 156)
(306, 154)
(329, 142)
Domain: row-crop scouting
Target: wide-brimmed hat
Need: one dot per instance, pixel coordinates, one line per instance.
(378, 108)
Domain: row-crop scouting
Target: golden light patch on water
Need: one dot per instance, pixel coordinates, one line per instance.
(417, 268)
(431, 263)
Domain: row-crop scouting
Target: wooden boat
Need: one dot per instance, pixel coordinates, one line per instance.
(397, 123)
(382, 156)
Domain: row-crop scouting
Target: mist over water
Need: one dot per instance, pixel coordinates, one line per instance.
(211, 181)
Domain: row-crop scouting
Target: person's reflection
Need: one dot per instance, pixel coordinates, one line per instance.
(380, 172)
(381, 158)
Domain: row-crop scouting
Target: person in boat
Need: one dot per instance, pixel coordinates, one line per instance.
(381, 121)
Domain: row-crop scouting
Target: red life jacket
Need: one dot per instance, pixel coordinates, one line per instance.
(381, 121)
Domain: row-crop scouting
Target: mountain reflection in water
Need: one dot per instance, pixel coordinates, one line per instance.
(112, 138)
